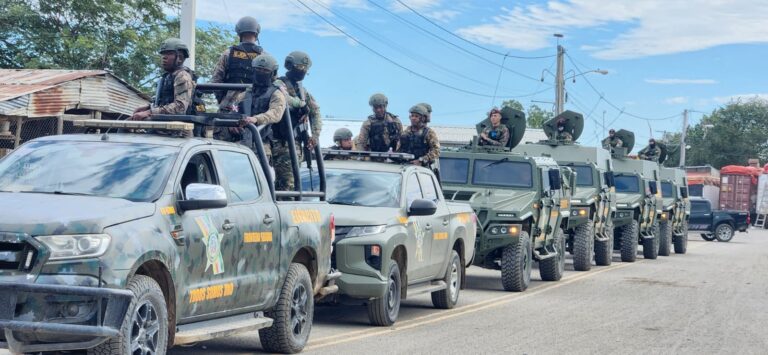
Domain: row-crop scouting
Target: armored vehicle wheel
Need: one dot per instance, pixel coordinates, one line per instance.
(446, 299)
(665, 238)
(707, 237)
(145, 327)
(681, 241)
(292, 314)
(604, 249)
(583, 246)
(651, 245)
(383, 311)
(552, 269)
(724, 232)
(629, 235)
(516, 264)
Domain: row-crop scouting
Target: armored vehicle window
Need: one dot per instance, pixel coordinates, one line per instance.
(583, 175)
(627, 183)
(238, 170)
(454, 171)
(412, 189)
(359, 188)
(428, 186)
(502, 173)
(199, 170)
(135, 172)
(667, 190)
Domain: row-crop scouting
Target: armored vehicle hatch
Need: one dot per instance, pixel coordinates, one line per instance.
(515, 122)
(574, 123)
(627, 140)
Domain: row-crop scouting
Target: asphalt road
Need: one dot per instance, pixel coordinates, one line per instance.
(712, 300)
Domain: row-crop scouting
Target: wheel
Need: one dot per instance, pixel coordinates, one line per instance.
(292, 314)
(651, 245)
(383, 311)
(665, 238)
(724, 232)
(629, 237)
(583, 246)
(681, 241)
(516, 264)
(604, 249)
(446, 299)
(707, 237)
(552, 269)
(145, 327)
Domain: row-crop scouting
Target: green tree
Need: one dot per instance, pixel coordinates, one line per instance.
(513, 104)
(537, 116)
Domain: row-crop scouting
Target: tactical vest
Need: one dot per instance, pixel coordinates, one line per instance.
(239, 69)
(281, 132)
(415, 143)
(383, 134)
(260, 104)
(166, 94)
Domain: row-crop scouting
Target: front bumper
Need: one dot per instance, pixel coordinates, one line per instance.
(99, 314)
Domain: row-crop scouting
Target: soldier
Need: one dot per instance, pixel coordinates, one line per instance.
(176, 86)
(269, 99)
(234, 65)
(419, 140)
(651, 152)
(612, 141)
(563, 135)
(381, 132)
(496, 134)
(343, 141)
(304, 109)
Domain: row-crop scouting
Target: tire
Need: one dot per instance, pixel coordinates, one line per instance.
(383, 311)
(665, 238)
(583, 246)
(604, 249)
(292, 314)
(516, 264)
(651, 245)
(724, 232)
(629, 238)
(552, 269)
(447, 299)
(681, 242)
(147, 315)
(707, 237)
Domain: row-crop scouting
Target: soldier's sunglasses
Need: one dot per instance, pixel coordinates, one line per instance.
(300, 67)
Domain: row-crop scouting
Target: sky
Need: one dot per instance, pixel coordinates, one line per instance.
(662, 56)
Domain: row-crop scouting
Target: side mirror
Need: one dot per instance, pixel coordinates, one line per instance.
(554, 180)
(203, 196)
(653, 186)
(422, 207)
(684, 192)
(609, 179)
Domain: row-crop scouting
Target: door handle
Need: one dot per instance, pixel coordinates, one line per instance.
(428, 226)
(446, 222)
(227, 225)
(268, 219)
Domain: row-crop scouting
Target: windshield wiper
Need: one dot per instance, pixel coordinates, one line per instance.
(344, 203)
(57, 192)
(496, 163)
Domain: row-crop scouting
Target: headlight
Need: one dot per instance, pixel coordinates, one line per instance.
(510, 229)
(75, 246)
(366, 230)
(579, 212)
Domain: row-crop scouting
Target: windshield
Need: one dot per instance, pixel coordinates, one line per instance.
(627, 183)
(454, 171)
(358, 188)
(135, 172)
(584, 175)
(502, 173)
(667, 189)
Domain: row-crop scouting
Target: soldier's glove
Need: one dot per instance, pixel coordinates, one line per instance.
(312, 143)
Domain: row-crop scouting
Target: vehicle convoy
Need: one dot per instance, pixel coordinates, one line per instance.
(396, 236)
(676, 209)
(520, 202)
(716, 224)
(133, 243)
(638, 202)
(590, 228)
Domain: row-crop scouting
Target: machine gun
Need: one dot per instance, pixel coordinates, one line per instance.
(303, 132)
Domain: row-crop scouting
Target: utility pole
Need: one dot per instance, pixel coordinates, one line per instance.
(187, 33)
(559, 81)
(682, 138)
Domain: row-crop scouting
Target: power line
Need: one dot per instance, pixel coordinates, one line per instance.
(468, 41)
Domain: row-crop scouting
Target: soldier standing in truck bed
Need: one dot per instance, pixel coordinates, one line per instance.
(381, 132)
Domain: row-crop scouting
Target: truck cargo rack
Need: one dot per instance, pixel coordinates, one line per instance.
(395, 157)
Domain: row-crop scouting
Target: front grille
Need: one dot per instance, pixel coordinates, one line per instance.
(16, 256)
(341, 233)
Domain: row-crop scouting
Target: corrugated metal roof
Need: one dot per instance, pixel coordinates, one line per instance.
(18, 82)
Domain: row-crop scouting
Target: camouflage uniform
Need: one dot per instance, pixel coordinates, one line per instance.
(422, 142)
(175, 94)
(242, 55)
(376, 134)
(650, 153)
(269, 114)
(498, 136)
(612, 142)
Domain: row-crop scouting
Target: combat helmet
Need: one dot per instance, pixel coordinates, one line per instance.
(297, 58)
(265, 61)
(174, 44)
(247, 24)
(378, 99)
(429, 110)
(342, 134)
(420, 110)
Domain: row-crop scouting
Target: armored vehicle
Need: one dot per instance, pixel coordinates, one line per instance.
(396, 235)
(638, 202)
(131, 243)
(590, 227)
(676, 211)
(520, 202)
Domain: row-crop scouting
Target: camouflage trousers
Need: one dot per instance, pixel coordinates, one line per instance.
(281, 162)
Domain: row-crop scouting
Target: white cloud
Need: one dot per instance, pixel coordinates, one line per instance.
(415, 4)
(740, 97)
(443, 15)
(681, 81)
(655, 27)
(677, 100)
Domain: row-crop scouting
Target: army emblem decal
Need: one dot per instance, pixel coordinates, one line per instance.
(212, 241)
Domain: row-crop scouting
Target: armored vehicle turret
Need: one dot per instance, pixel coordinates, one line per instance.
(676, 211)
(521, 203)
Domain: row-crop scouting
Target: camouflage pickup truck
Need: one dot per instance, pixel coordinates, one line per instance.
(133, 243)
(396, 236)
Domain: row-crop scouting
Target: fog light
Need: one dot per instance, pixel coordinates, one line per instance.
(375, 250)
(495, 230)
(503, 230)
(582, 212)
